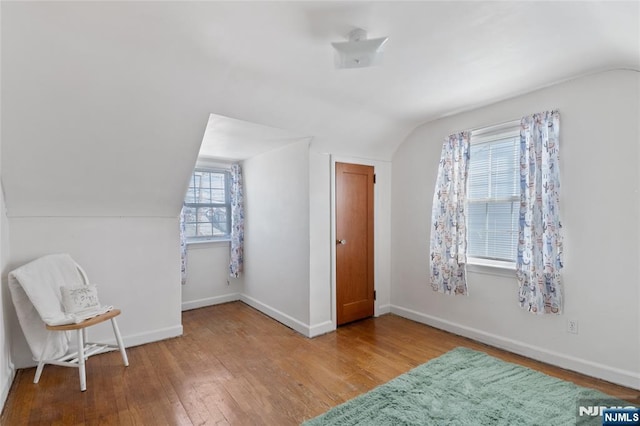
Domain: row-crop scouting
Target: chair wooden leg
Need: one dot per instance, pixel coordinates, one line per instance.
(123, 352)
(41, 363)
(81, 360)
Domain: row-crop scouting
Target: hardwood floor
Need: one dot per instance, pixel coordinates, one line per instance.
(234, 365)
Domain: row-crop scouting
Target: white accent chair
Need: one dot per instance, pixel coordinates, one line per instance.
(36, 293)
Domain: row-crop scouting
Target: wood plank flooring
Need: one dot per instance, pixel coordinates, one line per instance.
(234, 365)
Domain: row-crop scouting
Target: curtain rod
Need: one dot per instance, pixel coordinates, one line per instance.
(495, 127)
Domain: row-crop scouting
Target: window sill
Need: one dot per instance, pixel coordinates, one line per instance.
(207, 243)
(491, 267)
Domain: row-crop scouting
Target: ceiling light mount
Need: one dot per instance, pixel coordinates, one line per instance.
(357, 34)
(358, 52)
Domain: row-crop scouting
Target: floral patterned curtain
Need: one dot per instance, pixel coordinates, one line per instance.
(448, 235)
(236, 193)
(183, 249)
(540, 241)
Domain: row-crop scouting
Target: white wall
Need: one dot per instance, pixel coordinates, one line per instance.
(321, 308)
(599, 140)
(86, 135)
(277, 242)
(135, 262)
(7, 369)
(208, 282)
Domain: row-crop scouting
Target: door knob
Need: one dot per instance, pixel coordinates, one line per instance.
(341, 242)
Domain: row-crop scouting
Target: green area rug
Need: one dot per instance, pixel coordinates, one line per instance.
(467, 387)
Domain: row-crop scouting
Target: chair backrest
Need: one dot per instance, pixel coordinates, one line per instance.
(42, 279)
(83, 274)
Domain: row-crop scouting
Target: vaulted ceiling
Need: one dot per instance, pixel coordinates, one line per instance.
(104, 104)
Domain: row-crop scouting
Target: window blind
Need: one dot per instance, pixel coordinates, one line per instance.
(493, 196)
(207, 205)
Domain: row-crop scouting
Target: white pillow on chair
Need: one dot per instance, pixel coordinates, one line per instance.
(79, 299)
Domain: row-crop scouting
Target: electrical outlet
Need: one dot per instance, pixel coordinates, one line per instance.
(572, 326)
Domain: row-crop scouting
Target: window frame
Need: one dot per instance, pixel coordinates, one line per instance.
(226, 205)
(487, 135)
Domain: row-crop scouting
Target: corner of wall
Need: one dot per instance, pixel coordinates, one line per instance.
(8, 376)
(7, 367)
(277, 315)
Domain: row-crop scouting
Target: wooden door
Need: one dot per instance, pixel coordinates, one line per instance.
(354, 242)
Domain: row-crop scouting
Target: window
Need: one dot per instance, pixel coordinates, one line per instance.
(207, 208)
(493, 196)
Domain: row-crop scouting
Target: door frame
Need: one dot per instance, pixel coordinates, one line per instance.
(378, 231)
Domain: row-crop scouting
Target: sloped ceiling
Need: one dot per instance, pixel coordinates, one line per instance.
(104, 104)
(230, 139)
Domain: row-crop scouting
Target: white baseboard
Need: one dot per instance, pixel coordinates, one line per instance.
(152, 336)
(615, 375)
(322, 328)
(383, 309)
(6, 386)
(210, 301)
(285, 319)
(299, 326)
